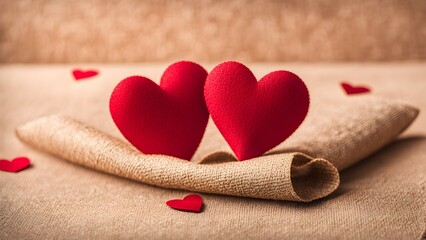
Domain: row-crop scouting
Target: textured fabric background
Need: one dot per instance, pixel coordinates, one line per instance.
(211, 30)
(381, 197)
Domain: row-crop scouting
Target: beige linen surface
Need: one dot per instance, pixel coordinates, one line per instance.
(381, 197)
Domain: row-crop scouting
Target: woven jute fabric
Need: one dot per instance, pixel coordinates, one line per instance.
(344, 137)
(382, 196)
(268, 177)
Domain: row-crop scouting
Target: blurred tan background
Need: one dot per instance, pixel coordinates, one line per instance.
(62, 31)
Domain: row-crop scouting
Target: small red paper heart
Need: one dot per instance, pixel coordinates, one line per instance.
(169, 119)
(80, 74)
(190, 203)
(350, 89)
(252, 116)
(15, 165)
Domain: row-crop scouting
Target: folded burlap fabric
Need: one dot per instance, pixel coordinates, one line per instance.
(303, 168)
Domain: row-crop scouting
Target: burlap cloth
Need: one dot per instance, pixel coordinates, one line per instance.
(381, 198)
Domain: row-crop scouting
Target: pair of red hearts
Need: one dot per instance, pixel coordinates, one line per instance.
(170, 119)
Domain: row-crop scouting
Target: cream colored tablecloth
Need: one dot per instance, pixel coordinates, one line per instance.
(382, 197)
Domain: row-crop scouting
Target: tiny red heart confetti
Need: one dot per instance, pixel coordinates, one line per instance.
(190, 203)
(80, 74)
(16, 165)
(351, 89)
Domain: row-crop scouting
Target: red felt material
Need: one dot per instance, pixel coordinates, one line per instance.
(190, 203)
(351, 89)
(16, 165)
(255, 116)
(169, 119)
(80, 74)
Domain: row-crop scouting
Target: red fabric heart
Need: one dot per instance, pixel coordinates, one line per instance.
(168, 119)
(80, 74)
(255, 116)
(190, 203)
(350, 89)
(16, 165)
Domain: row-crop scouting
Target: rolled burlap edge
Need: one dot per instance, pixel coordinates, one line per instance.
(285, 176)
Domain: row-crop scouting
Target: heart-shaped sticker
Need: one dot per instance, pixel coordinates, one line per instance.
(252, 116)
(190, 203)
(16, 165)
(169, 119)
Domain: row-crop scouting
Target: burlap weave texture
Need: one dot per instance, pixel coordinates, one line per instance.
(282, 174)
